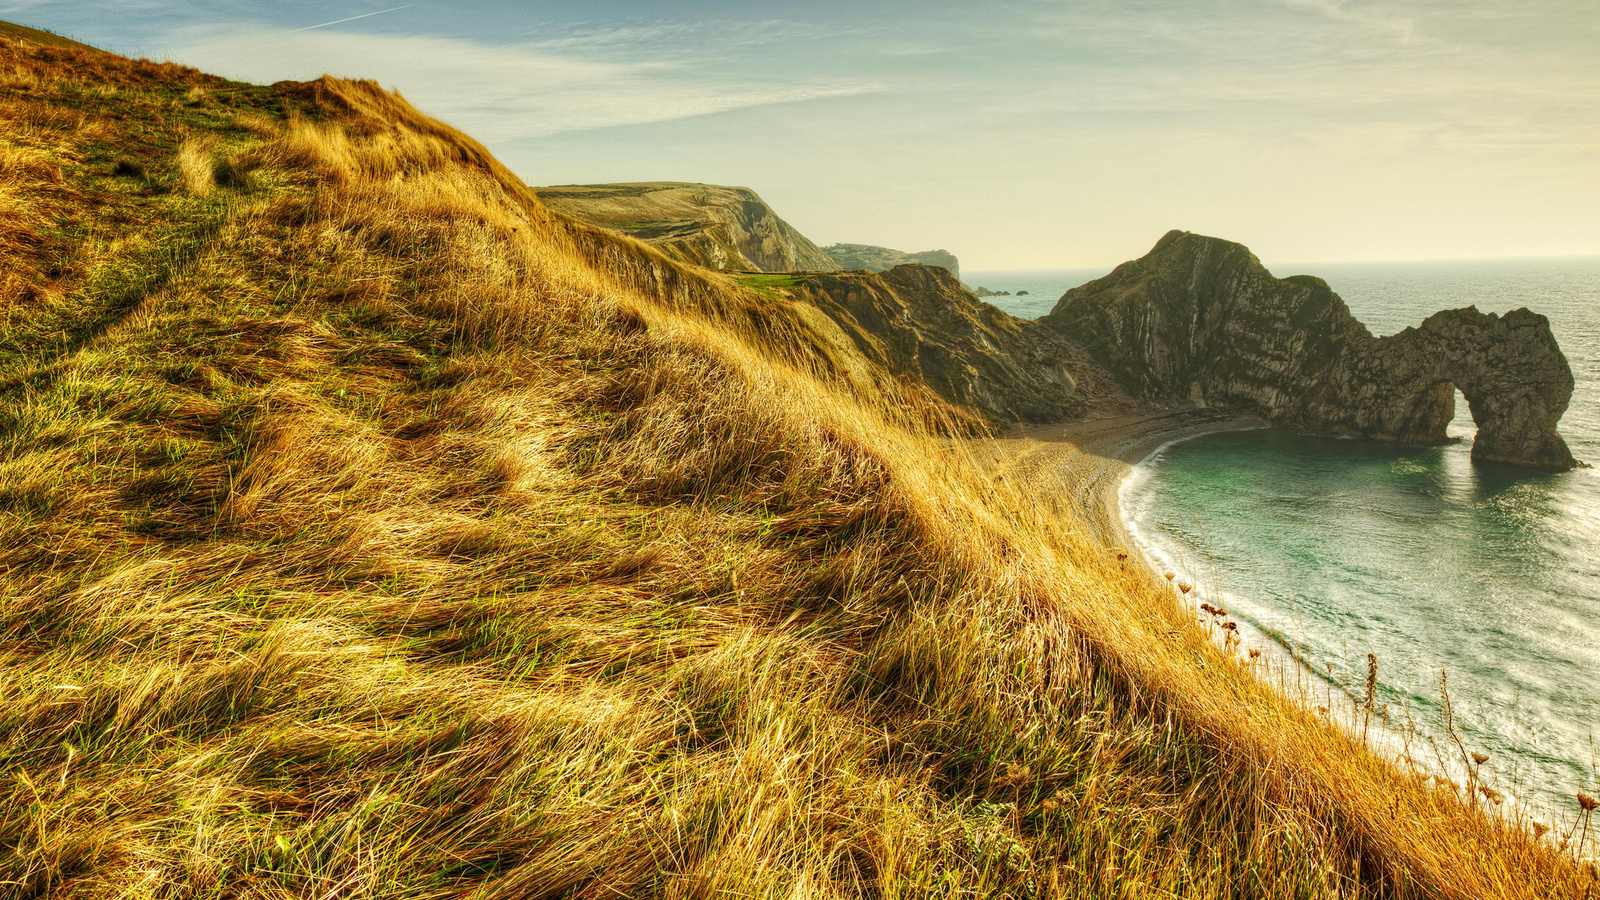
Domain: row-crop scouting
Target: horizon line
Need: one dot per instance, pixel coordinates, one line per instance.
(1322, 262)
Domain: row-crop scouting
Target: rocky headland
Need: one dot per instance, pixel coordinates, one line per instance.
(1196, 322)
(882, 259)
(1199, 321)
(727, 228)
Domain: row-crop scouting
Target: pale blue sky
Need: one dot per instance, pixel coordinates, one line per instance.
(1017, 134)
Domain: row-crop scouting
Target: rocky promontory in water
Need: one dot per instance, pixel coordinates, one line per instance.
(1200, 321)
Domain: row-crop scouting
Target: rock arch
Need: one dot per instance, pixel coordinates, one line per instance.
(1199, 320)
(1514, 377)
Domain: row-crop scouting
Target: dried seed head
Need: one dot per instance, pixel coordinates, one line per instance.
(1480, 758)
(1490, 794)
(1171, 575)
(1587, 803)
(1254, 653)
(1185, 587)
(1539, 828)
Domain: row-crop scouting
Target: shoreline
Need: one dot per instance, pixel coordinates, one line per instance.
(1083, 464)
(1082, 467)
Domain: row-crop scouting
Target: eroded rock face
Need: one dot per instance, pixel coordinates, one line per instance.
(920, 323)
(1200, 321)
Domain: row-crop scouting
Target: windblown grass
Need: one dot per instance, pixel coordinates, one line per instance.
(371, 532)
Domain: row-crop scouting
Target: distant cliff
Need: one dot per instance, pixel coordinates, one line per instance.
(729, 228)
(882, 259)
(1199, 320)
(921, 323)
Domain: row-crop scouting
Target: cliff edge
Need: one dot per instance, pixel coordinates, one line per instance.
(882, 259)
(1199, 320)
(728, 228)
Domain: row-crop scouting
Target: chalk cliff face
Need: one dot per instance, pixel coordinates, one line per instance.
(728, 228)
(1200, 321)
(920, 323)
(882, 259)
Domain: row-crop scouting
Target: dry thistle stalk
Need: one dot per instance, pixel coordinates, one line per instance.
(1372, 689)
(1587, 804)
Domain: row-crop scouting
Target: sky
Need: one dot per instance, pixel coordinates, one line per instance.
(1017, 135)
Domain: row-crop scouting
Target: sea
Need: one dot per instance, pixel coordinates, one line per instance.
(1475, 589)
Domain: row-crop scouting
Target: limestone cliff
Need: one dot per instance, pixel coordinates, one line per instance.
(920, 323)
(1200, 321)
(727, 228)
(882, 259)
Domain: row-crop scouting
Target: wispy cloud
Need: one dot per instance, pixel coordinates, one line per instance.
(515, 92)
(676, 36)
(1375, 17)
(348, 19)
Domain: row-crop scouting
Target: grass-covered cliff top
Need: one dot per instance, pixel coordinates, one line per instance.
(368, 531)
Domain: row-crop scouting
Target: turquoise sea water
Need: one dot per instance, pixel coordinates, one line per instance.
(1336, 548)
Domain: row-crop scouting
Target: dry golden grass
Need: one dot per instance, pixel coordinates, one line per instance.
(400, 539)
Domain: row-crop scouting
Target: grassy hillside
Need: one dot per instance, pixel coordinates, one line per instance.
(921, 324)
(366, 530)
(26, 36)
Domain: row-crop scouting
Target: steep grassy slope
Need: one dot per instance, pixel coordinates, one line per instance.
(369, 531)
(34, 37)
(710, 225)
(921, 324)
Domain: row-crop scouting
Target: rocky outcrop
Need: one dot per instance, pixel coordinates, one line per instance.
(882, 259)
(728, 228)
(1199, 321)
(920, 323)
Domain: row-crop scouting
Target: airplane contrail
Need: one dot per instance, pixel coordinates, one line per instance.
(351, 19)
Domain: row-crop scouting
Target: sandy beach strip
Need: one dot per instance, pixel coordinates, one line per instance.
(1079, 467)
